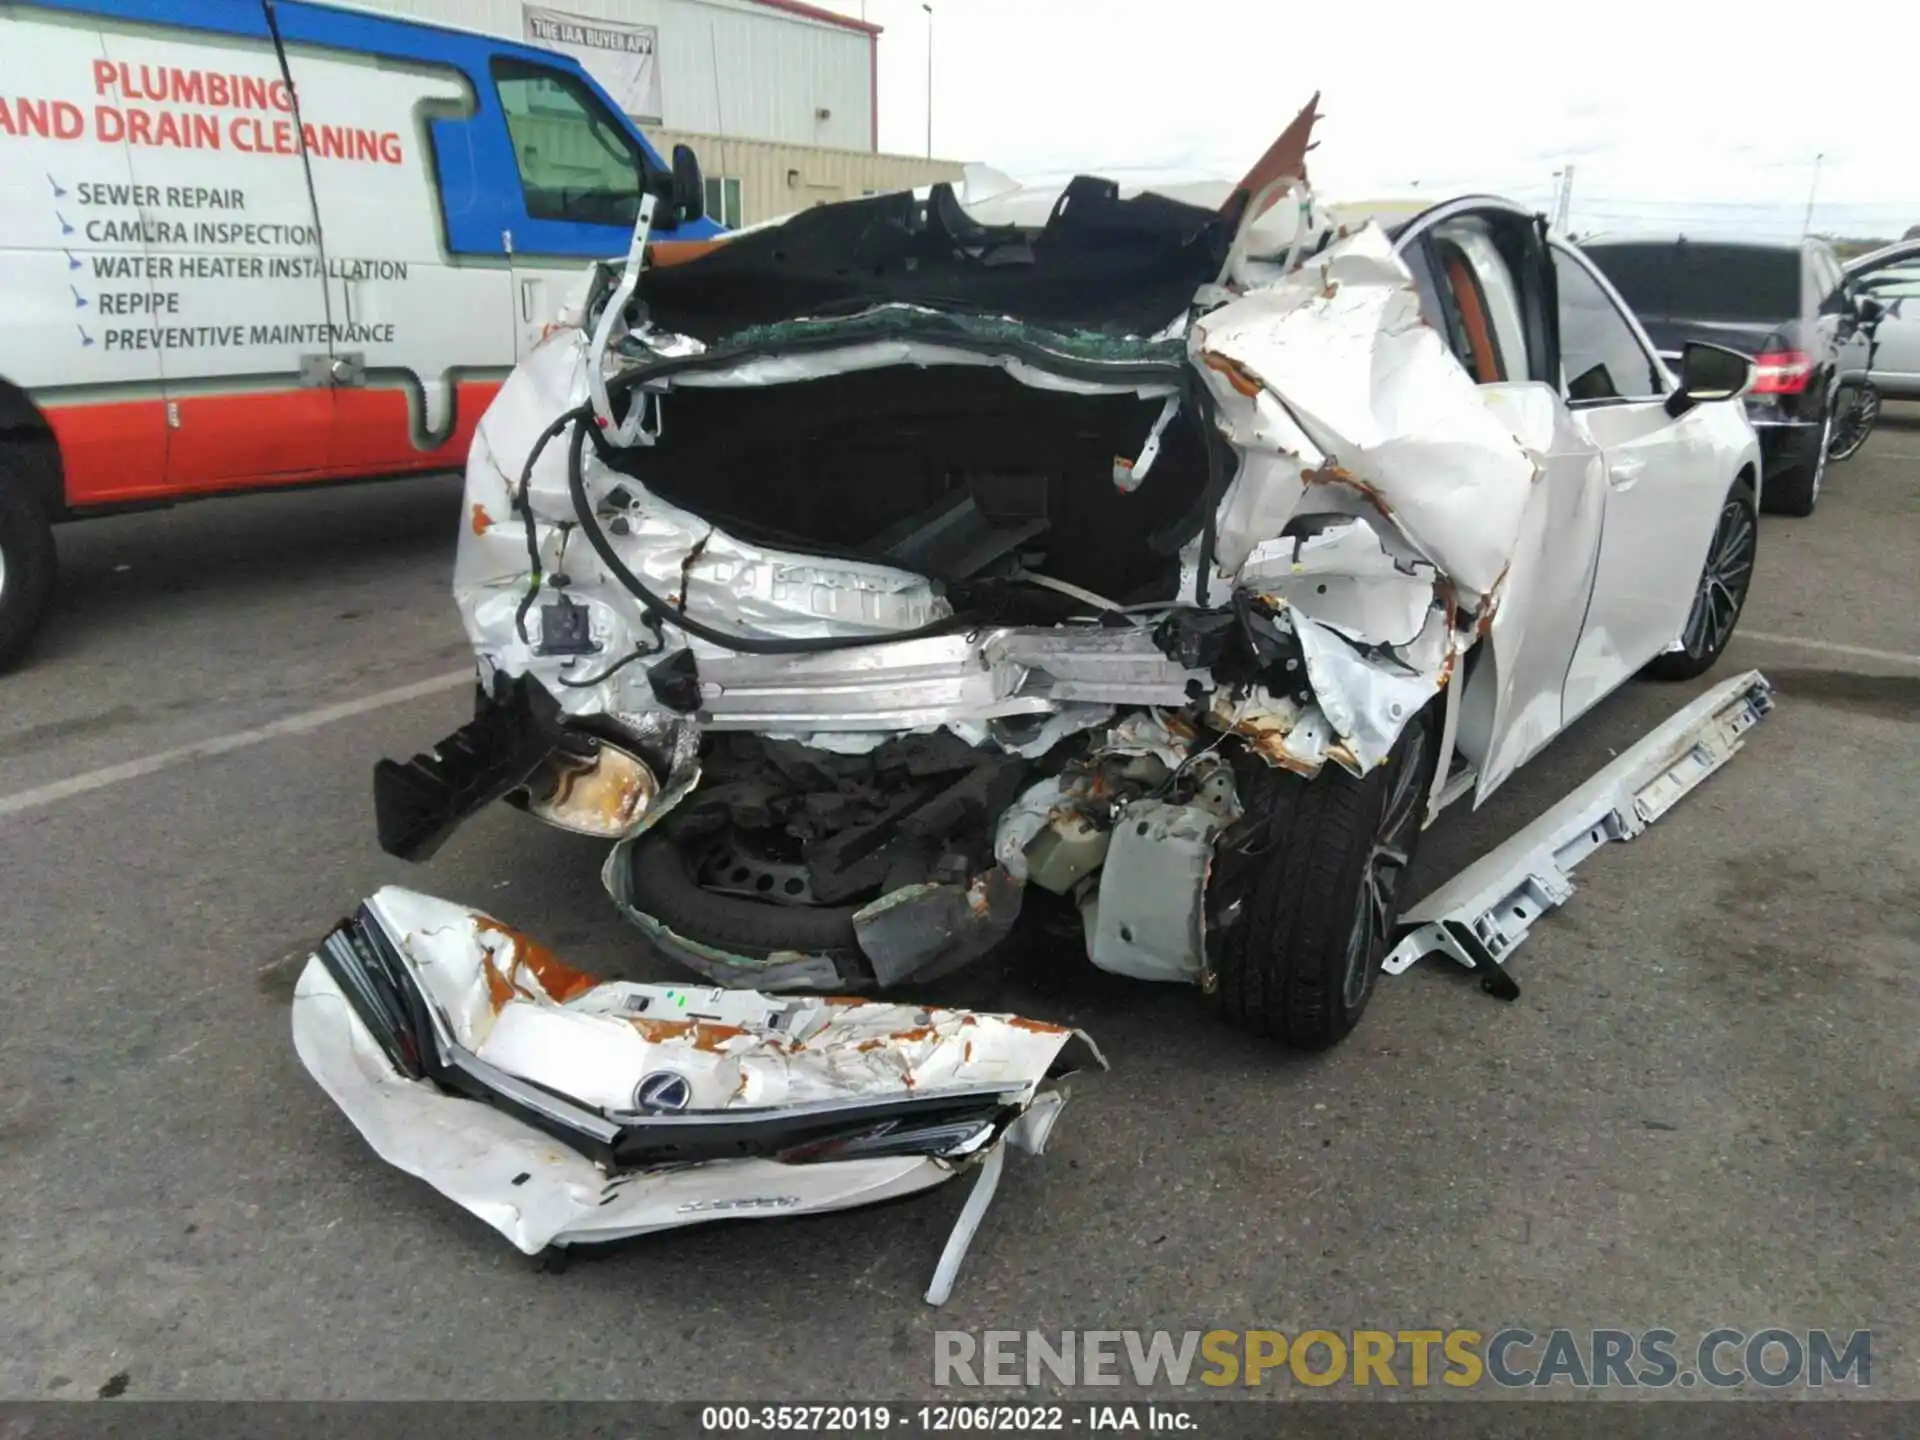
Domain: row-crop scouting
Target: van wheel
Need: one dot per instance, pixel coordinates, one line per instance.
(1306, 888)
(26, 555)
(1722, 593)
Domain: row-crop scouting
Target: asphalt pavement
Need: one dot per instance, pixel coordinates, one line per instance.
(1701, 1111)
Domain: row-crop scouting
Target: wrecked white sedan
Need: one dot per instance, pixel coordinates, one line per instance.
(869, 575)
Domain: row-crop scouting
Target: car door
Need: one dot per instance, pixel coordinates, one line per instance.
(1825, 315)
(1895, 283)
(1486, 272)
(1664, 484)
(214, 143)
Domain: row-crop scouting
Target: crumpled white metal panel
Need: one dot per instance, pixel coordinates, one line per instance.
(1385, 408)
(516, 1007)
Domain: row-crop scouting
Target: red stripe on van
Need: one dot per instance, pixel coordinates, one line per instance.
(118, 451)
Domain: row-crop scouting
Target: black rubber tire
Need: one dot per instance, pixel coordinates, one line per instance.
(1285, 893)
(663, 886)
(1686, 664)
(26, 544)
(1796, 491)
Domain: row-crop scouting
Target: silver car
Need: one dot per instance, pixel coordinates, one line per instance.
(1890, 276)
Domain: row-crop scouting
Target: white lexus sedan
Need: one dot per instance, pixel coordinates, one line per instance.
(872, 578)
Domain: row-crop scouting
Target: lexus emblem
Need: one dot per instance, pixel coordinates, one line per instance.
(664, 1092)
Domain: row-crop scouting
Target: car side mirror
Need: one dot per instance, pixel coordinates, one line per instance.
(689, 188)
(1709, 373)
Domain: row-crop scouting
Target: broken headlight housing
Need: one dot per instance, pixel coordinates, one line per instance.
(592, 788)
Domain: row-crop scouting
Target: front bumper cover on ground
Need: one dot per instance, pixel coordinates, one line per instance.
(563, 1110)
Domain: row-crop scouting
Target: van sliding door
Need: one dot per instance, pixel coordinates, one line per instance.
(236, 303)
(426, 334)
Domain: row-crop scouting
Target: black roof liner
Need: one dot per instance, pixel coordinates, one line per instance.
(1101, 263)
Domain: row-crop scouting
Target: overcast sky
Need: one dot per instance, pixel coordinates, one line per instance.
(1704, 114)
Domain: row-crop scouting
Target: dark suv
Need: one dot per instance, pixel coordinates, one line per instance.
(1779, 302)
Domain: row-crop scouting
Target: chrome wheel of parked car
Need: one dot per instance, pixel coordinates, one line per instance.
(1722, 592)
(1855, 414)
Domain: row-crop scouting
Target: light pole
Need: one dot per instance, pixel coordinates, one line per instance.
(1563, 202)
(929, 9)
(1806, 224)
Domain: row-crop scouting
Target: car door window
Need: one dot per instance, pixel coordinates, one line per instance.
(1892, 284)
(575, 160)
(1826, 284)
(1600, 356)
(1477, 287)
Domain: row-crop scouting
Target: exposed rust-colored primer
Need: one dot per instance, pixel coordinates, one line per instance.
(1238, 376)
(1287, 155)
(500, 990)
(1334, 474)
(482, 522)
(560, 980)
(678, 252)
(701, 1034)
(1491, 605)
(1037, 1027)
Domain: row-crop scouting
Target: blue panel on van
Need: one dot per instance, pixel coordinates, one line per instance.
(225, 17)
(474, 158)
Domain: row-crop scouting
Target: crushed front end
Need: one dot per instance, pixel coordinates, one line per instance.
(875, 567)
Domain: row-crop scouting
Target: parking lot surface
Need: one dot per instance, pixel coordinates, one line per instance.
(1701, 1110)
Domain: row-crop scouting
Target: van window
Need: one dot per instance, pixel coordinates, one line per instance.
(1699, 281)
(723, 200)
(575, 159)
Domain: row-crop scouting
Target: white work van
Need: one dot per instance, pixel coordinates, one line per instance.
(258, 243)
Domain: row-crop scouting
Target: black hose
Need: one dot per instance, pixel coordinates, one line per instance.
(661, 610)
(614, 669)
(525, 506)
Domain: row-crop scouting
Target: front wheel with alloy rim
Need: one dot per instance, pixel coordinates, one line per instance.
(1721, 593)
(1855, 414)
(1306, 887)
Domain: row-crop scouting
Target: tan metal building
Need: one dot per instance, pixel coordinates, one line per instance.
(777, 97)
(753, 180)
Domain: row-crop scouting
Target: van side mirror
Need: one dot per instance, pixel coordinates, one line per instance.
(689, 187)
(1868, 310)
(1709, 373)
